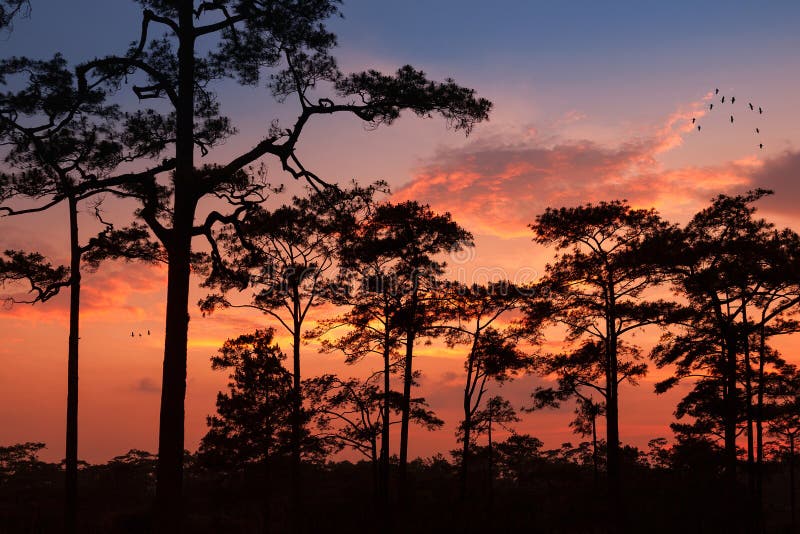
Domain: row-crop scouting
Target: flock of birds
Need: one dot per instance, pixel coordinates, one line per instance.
(140, 334)
(732, 101)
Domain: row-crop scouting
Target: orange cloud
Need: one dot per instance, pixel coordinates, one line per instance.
(497, 187)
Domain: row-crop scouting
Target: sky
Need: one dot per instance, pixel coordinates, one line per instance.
(592, 101)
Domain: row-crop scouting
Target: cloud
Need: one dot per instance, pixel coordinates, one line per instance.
(780, 174)
(497, 186)
(130, 290)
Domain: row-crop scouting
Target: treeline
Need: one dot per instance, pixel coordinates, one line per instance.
(719, 288)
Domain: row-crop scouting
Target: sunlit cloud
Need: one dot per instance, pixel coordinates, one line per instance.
(498, 186)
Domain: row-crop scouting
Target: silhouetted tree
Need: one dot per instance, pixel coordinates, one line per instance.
(516, 456)
(283, 256)
(497, 412)
(21, 456)
(776, 297)
(253, 424)
(596, 290)
(785, 425)
(372, 326)
(407, 237)
(349, 413)
(206, 41)
(69, 158)
(585, 423)
(469, 313)
(580, 374)
(737, 273)
(10, 9)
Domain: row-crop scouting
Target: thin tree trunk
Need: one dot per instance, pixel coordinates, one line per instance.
(408, 375)
(71, 482)
(491, 463)
(465, 452)
(385, 429)
(169, 469)
(594, 451)
(376, 484)
(760, 418)
(752, 504)
(297, 422)
(730, 408)
(792, 498)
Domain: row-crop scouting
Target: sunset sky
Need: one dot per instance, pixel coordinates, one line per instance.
(593, 101)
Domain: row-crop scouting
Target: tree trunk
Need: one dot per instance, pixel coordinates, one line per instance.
(385, 429)
(71, 467)
(467, 421)
(376, 476)
(612, 460)
(465, 452)
(594, 451)
(408, 375)
(169, 469)
(752, 503)
(173, 392)
(760, 418)
(490, 500)
(297, 419)
(792, 498)
(612, 418)
(730, 406)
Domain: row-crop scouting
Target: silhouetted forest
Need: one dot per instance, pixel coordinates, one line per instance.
(373, 274)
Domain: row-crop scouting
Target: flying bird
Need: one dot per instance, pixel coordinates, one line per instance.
(132, 334)
(711, 106)
(751, 106)
(758, 131)
(760, 111)
(761, 145)
(723, 99)
(731, 119)
(716, 92)
(693, 119)
(698, 127)
(733, 99)
(148, 332)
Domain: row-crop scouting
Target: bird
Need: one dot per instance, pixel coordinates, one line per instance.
(760, 111)
(723, 99)
(711, 106)
(148, 332)
(693, 119)
(758, 131)
(731, 119)
(716, 92)
(140, 334)
(698, 127)
(751, 105)
(132, 334)
(761, 145)
(733, 99)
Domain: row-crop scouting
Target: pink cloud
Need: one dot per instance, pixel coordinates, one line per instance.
(498, 186)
